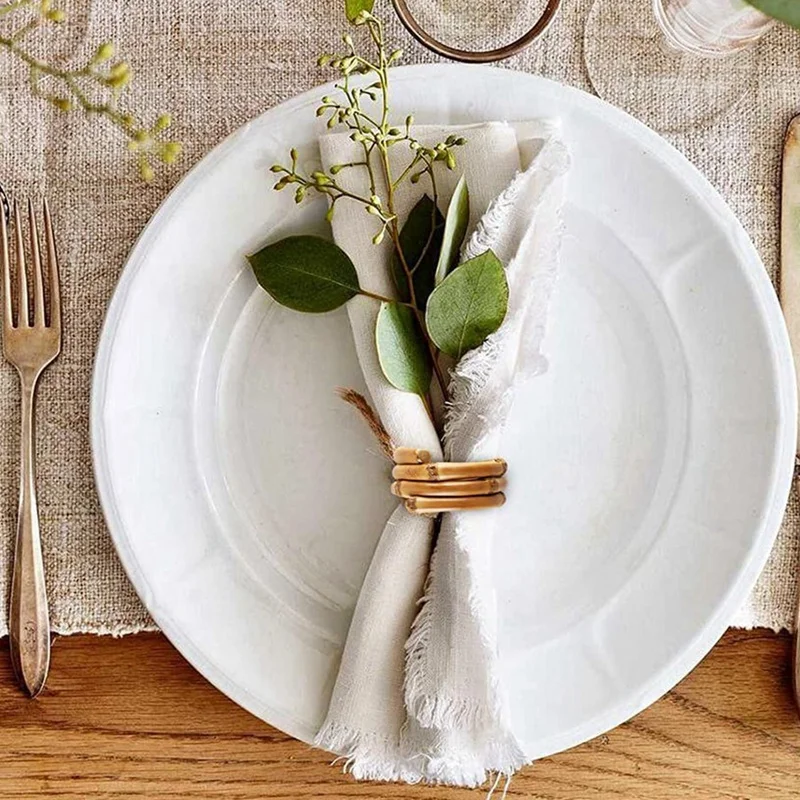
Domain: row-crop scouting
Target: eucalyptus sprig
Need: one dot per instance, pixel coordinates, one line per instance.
(96, 87)
(440, 307)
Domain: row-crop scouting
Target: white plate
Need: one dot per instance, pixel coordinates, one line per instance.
(650, 465)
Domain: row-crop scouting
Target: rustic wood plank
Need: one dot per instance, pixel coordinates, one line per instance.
(131, 719)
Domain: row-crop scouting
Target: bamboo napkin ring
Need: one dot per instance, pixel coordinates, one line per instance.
(433, 488)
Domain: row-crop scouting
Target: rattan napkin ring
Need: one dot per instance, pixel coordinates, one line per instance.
(436, 487)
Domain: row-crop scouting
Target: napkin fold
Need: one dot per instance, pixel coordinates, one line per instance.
(419, 695)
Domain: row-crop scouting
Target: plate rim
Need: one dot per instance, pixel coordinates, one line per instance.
(783, 465)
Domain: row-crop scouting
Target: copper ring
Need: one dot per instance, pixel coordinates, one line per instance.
(473, 56)
(5, 206)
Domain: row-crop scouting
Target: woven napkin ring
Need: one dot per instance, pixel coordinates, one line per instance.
(432, 488)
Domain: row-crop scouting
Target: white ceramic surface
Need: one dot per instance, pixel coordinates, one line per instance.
(649, 467)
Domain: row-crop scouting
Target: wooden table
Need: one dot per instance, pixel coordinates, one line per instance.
(129, 718)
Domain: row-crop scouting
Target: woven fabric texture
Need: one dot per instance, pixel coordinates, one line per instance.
(216, 64)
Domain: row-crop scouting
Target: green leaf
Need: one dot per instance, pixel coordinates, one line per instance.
(787, 11)
(468, 305)
(354, 7)
(455, 229)
(306, 273)
(402, 352)
(420, 241)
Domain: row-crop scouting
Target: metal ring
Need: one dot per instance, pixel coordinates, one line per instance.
(5, 206)
(473, 56)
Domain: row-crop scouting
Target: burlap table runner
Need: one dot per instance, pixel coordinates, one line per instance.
(216, 64)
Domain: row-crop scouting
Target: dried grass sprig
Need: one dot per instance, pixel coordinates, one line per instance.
(361, 404)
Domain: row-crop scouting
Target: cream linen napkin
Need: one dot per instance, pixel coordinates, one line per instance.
(421, 699)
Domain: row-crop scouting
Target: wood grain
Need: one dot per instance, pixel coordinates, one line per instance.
(130, 718)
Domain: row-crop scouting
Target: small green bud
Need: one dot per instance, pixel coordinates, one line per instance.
(163, 122)
(293, 155)
(146, 171)
(327, 100)
(119, 76)
(396, 54)
(62, 104)
(347, 39)
(378, 237)
(141, 136)
(451, 160)
(281, 184)
(170, 152)
(362, 17)
(394, 131)
(409, 120)
(372, 210)
(336, 169)
(375, 200)
(104, 53)
(323, 60)
(300, 194)
(56, 15)
(321, 110)
(329, 214)
(332, 121)
(276, 168)
(416, 176)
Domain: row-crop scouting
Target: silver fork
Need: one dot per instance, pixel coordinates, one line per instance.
(30, 347)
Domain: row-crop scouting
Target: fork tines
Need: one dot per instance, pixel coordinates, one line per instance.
(41, 282)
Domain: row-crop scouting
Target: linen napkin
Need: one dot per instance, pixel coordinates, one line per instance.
(418, 694)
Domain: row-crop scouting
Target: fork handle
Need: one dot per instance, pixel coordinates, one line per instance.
(29, 622)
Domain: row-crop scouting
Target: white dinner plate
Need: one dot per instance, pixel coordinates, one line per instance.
(650, 465)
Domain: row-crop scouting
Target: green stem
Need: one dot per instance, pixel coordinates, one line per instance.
(407, 170)
(14, 5)
(383, 299)
(353, 164)
(25, 30)
(106, 109)
(326, 188)
(376, 31)
(367, 148)
(394, 232)
(71, 84)
(68, 78)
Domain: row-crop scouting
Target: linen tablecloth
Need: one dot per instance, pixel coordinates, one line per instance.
(216, 64)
